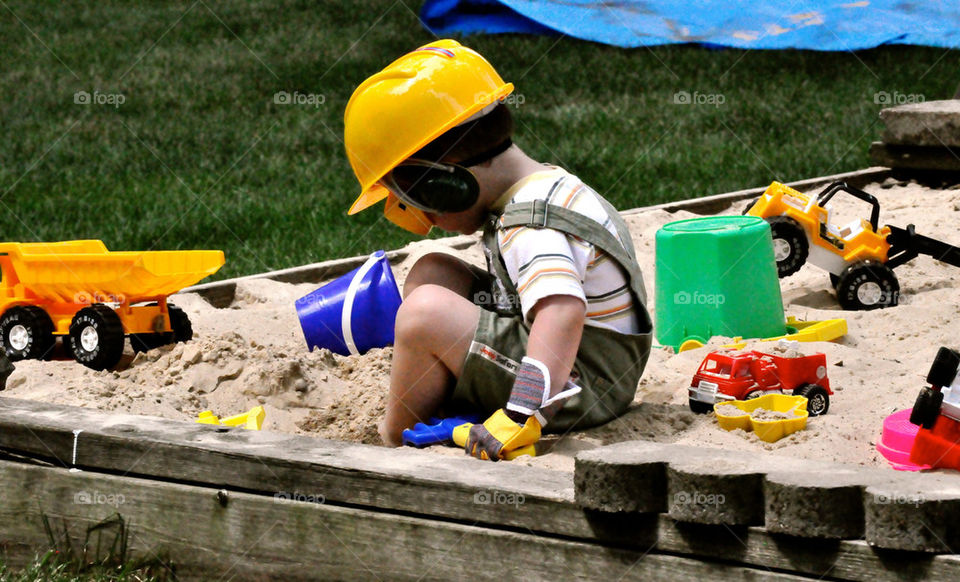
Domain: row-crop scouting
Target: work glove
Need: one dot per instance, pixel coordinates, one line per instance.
(516, 427)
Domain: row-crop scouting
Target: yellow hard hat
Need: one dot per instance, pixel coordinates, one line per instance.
(410, 103)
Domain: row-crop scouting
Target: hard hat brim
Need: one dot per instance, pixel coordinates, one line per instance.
(368, 198)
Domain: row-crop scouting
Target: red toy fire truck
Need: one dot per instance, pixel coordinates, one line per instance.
(735, 375)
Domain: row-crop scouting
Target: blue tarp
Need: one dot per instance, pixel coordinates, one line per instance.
(761, 24)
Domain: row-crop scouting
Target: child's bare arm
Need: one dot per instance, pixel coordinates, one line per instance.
(555, 336)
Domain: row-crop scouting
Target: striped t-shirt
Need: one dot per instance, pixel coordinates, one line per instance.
(542, 262)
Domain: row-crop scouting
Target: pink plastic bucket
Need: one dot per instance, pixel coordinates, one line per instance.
(897, 440)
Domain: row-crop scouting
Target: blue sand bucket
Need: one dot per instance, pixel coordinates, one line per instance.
(354, 313)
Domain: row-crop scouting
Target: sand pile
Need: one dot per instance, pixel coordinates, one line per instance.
(253, 353)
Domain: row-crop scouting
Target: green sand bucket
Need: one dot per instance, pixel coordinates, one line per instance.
(716, 276)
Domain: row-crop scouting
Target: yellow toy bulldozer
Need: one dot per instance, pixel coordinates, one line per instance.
(860, 256)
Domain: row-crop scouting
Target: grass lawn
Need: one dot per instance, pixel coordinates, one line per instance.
(198, 154)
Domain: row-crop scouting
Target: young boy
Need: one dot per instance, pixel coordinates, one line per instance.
(556, 330)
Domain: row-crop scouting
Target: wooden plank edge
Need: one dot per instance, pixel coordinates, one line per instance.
(209, 458)
(219, 536)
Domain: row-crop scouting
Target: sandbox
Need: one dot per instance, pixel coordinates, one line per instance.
(660, 493)
(252, 352)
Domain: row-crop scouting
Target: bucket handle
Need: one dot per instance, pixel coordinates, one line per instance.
(352, 289)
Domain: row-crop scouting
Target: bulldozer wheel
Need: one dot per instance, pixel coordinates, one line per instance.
(926, 409)
(27, 333)
(944, 369)
(790, 246)
(96, 337)
(868, 285)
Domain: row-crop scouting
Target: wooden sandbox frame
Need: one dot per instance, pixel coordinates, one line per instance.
(223, 504)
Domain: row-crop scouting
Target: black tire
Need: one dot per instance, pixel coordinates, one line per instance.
(944, 369)
(818, 401)
(926, 409)
(144, 342)
(754, 394)
(700, 407)
(790, 246)
(96, 337)
(32, 333)
(179, 323)
(868, 285)
(834, 280)
(182, 328)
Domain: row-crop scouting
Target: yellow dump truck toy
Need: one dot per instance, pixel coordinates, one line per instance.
(93, 298)
(859, 256)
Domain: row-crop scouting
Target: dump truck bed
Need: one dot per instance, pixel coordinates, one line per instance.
(63, 271)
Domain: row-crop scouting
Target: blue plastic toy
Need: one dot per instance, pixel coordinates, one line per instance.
(353, 313)
(439, 431)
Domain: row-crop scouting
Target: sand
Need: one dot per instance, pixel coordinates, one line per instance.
(253, 353)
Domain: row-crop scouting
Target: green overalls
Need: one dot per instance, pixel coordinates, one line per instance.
(608, 365)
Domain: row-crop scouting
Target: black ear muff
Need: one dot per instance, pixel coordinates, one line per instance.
(440, 189)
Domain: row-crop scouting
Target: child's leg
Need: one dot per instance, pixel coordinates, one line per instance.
(444, 270)
(434, 328)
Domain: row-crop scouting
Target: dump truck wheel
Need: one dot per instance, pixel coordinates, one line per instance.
(96, 337)
(700, 407)
(144, 342)
(944, 369)
(27, 333)
(182, 328)
(834, 280)
(790, 246)
(868, 285)
(926, 409)
(818, 401)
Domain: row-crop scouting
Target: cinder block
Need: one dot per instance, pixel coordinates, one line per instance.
(931, 123)
(625, 477)
(818, 502)
(725, 489)
(914, 512)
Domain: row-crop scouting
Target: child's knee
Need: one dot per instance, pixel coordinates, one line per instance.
(431, 268)
(419, 312)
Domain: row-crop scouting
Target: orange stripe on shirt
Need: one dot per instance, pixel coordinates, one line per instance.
(545, 272)
(610, 311)
(572, 195)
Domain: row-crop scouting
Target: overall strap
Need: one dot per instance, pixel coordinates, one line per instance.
(539, 214)
(497, 268)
